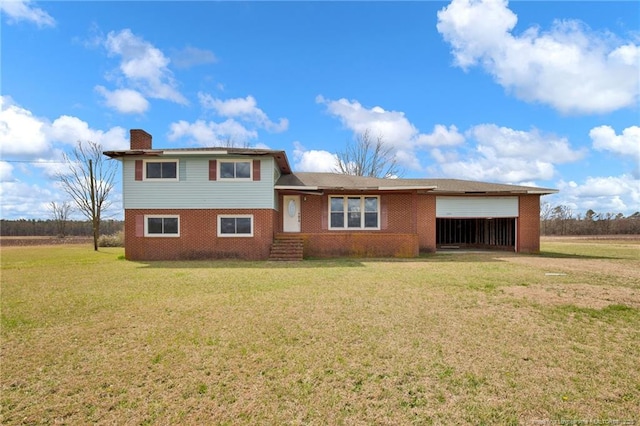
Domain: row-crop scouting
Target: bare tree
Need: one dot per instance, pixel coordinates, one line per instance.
(562, 214)
(89, 181)
(229, 142)
(60, 213)
(368, 156)
(545, 215)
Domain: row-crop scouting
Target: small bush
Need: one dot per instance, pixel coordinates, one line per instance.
(113, 240)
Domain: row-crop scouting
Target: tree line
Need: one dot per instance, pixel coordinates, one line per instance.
(51, 228)
(562, 220)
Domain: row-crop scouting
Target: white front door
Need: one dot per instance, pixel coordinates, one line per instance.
(291, 213)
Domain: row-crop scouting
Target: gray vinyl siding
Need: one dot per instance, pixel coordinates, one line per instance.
(194, 190)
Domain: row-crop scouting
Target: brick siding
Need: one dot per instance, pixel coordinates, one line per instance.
(407, 228)
(198, 236)
(426, 214)
(397, 236)
(139, 139)
(529, 224)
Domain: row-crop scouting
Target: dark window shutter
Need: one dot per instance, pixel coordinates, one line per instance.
(256, 169)
(138, 169)
(212, 170)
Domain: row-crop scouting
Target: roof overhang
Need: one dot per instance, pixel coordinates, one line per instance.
(279, 156)
(542, 191)
(121, 154)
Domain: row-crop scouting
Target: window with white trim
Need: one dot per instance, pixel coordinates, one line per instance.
(235, 225)
(235, 170)
(162, 226)
(354, 212)
(161, 170)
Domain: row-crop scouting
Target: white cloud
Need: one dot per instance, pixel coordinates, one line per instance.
(506, 155)
(569, 67)
(25, 136)
(125, 101)
(393, 127)
(312, 160)
(211, 133)
(23, 200)
(494, 169)
(144, 66)
(602, 194)
(441, 136)
(506, 142)
(21, 134)
(6, 172)
(23, 10)
(191, 56)
(71, 130)
(245, 109)
(626, 144)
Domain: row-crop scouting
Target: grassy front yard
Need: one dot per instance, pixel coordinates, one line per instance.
(472, 338)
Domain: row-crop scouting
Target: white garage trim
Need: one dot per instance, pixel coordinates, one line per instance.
(450, 207)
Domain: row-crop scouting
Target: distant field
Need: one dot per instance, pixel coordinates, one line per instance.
(450, 338)
(36, 241)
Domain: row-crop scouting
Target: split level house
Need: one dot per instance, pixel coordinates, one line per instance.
(201, 203)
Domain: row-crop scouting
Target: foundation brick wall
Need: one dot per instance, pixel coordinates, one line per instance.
(529, 224)
(360, 244)
(198, 236)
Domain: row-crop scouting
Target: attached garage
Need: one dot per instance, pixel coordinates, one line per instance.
(476, 222)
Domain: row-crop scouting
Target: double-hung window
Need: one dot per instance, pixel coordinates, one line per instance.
(354, 212)
(235, 226)
(235, 170)
(162, 226)
(161, 170)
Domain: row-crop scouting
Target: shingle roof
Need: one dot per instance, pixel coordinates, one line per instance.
(320, 181)
(279, 156)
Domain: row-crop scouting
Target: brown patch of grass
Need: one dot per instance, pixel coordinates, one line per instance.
(90, 338)
(581, 295)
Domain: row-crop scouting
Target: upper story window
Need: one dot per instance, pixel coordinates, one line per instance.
(235, 170)
(161, 169)
(354, 212)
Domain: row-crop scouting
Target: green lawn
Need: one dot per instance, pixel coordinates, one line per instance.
(464, 338)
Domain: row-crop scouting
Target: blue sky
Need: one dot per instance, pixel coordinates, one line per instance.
(534, 93)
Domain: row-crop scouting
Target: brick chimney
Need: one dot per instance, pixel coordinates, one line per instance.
(140, 139)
